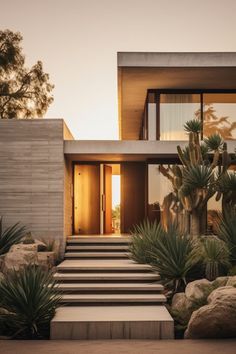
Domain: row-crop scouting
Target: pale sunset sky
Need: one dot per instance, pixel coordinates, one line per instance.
(78, 41)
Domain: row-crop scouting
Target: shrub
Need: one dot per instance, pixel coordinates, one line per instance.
(30, 298)
(226, 231)
(144, 237)
(173, 256)
(214, 254)
(10, 236)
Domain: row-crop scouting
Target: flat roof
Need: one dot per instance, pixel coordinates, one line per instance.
(139, 71)
(176, 59)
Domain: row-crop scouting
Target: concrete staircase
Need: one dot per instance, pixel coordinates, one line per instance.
(106, 294)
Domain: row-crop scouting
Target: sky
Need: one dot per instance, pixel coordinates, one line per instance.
(78, 41)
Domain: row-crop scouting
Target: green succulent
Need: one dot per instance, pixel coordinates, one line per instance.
(214, 142)
(30, 297)
(144, 236)
(193, 126)
(197, 177)
(215, 256)
(10, 236)
(174, 256)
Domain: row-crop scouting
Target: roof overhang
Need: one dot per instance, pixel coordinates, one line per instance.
(138, 72)
(121, 150)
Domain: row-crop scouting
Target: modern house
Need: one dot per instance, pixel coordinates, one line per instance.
(60, 187)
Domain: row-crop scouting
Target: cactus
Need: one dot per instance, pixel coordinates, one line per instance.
(195, 182)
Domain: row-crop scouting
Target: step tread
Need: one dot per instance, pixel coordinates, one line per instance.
(97, 248)
(99, 239)
(113, 297)
(102, 264)
(96, 254)
(111, 286)
(112, 313)
(106, 276)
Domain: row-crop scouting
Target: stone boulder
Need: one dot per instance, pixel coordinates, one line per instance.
(217, 319)
(46, 259)
(231, 281)
(23, 254)
(198, 289)
(220, 281)
(181, 307)
(20, 255)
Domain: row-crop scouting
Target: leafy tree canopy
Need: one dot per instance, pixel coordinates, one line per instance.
(24, 93)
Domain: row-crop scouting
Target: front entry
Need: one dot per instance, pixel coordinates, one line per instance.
(108, 198)
(87, 199)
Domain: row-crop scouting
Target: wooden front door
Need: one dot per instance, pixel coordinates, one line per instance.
(107, 207)
(133, 194)
(87, 199)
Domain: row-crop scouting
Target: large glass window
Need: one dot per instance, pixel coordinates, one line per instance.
(175, 111)
(220, 114)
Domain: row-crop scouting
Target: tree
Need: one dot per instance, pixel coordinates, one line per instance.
(24, 93)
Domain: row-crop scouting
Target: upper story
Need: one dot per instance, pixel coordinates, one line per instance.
(159, 92)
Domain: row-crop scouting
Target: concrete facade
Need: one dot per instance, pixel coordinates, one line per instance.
(35, 183)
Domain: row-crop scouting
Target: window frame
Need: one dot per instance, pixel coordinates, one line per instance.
(201, 92)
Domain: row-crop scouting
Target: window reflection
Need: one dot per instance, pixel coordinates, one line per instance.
(220, 115)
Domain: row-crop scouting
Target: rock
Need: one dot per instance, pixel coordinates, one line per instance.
(46, 259)
(41, 246)
(198, 289)
(181, 307)
(21, 247)
(220, 281)
(217, 319)
(231, 281)
(20, 255)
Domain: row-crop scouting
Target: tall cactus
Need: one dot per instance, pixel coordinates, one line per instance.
(196, 181)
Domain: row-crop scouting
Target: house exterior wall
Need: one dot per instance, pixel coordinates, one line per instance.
(34, 176)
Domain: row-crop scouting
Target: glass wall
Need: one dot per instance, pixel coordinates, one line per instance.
(175, 111)
(219, 114)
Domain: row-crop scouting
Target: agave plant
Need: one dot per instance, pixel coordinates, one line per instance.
(226, 230)
(10, 236)
(144, 237)
(193, 126)
(198, 177)
(214, 255)
(30, 297)
(173, 257)
(214, 142)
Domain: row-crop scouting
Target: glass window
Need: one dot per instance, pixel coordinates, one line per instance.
(175, 111)
(220, 114)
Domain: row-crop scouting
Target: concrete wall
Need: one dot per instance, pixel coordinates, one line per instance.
(35, 177)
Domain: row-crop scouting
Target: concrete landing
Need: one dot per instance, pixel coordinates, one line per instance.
(112, 322)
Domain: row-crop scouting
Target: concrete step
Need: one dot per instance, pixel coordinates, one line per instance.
(113, 298)
(101, 277)
(99, 239)
(102, 265)
(72, 287)
(96, 255)
(97, 248)
(112, 322)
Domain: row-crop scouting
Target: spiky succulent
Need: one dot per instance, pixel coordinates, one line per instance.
(193, 126)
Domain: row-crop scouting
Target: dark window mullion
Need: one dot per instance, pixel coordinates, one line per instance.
(201, 113)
